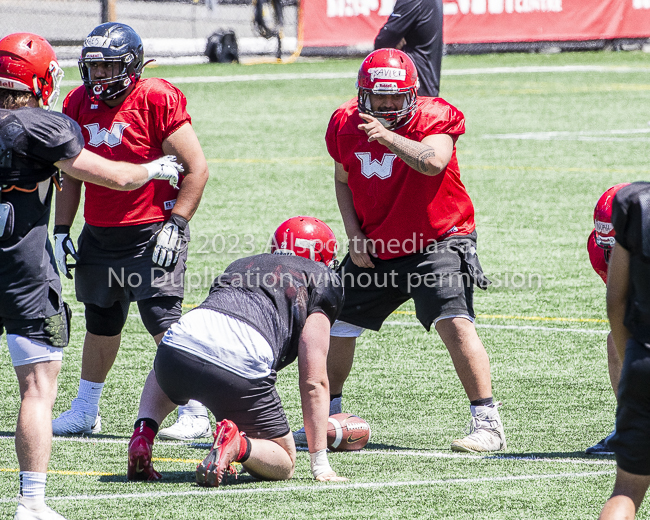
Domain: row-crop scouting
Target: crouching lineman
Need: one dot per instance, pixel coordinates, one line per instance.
(628, 309)
(263, 313)
(599, 246)
(34, 144)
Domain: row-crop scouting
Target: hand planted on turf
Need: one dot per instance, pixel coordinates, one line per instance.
(362, 249)
(165, 168)
(330, 476)
(375, 130)
(63, 246)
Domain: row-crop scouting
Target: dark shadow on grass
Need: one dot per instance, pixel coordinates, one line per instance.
(392, 447)
(373, 446)
(93, 436)
(176, 477)
(548, 455)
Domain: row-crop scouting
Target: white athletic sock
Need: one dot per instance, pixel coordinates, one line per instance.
(32, 489)
(90, 392)
(193, 408)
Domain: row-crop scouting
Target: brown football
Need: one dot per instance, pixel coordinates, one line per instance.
(347, 432)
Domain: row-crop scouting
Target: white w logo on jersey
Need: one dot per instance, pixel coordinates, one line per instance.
(100, 136)
(383, 169)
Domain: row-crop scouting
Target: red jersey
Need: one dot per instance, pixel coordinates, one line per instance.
(597, 256)
(399, 208)
(134, 132)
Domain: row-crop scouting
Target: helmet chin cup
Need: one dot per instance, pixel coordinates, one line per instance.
(385, 123)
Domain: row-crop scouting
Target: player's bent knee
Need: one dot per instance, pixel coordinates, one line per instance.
(105, 321)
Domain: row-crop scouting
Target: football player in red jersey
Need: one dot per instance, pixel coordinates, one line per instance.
(410, 224)
(599, 245)
(262, 314)
(133, 246)
(34, 144)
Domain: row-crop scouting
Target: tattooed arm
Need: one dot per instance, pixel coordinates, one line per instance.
(430, 156)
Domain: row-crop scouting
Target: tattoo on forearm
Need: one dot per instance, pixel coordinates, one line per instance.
(412, 153)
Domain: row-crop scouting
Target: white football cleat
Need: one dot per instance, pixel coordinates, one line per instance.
(485, 432)
(22, 513)
(186, 428)
(81, 419)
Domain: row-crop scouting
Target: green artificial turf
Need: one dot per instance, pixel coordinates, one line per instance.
(534, 201)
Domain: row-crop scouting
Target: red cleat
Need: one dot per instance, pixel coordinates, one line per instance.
(140, 466)
(225, 450)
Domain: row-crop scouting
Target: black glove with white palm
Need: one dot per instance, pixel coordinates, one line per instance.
(63, 246)
(170, 241)
(166, 168)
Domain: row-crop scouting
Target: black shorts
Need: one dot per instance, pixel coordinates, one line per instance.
(252, 404)
(53, 329)
(631, 443)
(116, 266)
(440, 280)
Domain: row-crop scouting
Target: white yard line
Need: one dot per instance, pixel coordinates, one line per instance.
(402, 453)
(626, 135)
(506, 327)
(324, 487)
(477, 325)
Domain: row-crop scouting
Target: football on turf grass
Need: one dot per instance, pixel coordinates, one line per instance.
(347, 432)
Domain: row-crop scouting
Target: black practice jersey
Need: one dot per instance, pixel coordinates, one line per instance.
(31, 141)
(631, 220)
(419, 22)
(275, 294)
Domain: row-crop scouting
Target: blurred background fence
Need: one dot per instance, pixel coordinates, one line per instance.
(168, 27)
(172, 28)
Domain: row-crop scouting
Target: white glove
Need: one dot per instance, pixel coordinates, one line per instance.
(63, 246)
(170, 241)
(165, 168)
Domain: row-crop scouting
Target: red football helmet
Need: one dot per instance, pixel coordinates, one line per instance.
(603, 218)
(307, 237)
(388, 71)
(28, 64)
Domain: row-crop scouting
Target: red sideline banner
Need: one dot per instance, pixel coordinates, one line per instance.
(349, 23)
